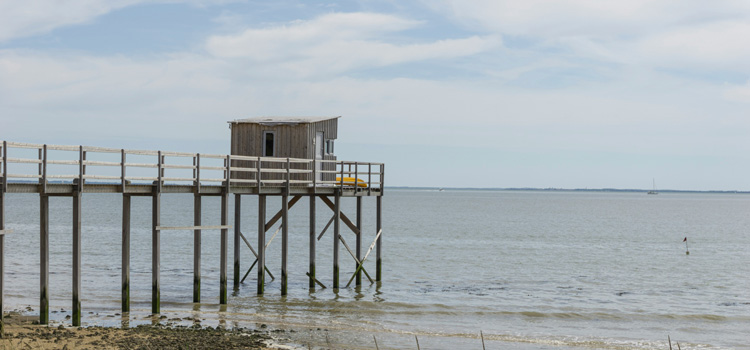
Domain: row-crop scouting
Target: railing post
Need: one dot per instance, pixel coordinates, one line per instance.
(5, 166)
(288, 175)
(160, 171)
(341, 182)
(227, 173)
(44, 169)
(80, 169)
(382, 178)
(259, 175)
(369, 179)
(83, 166)
(198, 173)
(122, 170)
(315, 175)
(356, 178)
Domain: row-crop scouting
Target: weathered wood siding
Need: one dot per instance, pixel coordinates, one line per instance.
(291, 140)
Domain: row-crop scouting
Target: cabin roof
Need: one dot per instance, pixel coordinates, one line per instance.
(281, 120)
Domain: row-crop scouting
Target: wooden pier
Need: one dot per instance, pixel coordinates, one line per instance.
(28, 168)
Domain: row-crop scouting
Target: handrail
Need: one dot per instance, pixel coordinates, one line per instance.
(237, 170)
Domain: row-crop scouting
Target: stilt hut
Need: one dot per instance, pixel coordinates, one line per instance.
(286, 137)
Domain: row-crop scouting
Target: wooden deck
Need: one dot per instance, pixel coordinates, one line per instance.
(75, 170)
(52, 170)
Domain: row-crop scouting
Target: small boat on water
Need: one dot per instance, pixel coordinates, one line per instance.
(654, 190)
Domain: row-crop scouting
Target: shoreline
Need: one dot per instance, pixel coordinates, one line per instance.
(23, 332)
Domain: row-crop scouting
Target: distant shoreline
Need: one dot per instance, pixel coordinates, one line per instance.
(558, 189)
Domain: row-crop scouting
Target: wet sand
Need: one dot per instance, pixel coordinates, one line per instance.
(21, 332)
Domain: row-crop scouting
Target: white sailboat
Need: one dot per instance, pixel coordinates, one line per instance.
(654, 190)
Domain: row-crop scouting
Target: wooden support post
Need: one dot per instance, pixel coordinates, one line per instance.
(311, 273)
(197, 248)
(77, 259)
(261, 242)
(359, 239)
(237, 222)
(2, 256)
(224, 243)
(378, 228)
(125, 253)
(284, 238)
(44, 259)
(336, 234)
(155, 247)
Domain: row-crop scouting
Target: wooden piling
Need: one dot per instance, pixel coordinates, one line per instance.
(237, 222)
(359, 241)
(76, 259)
(224, 243)
(44, 259)
(126, 253)
(312, 243)
(155, 250)
(197, 248)
(378, 228)
(284, 240)
(261, 242)
(336, 233)
(2, 254)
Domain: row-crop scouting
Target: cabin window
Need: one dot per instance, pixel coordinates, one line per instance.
(329, 146)
(269, 144)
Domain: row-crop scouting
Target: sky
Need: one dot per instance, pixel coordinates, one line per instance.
(447, 93)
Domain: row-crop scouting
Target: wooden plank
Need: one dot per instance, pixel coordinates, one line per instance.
(197, 248)
(355, 259)
(155, 251)
(254, 262)
(224, 244)
(278, 215)
(237, 222)
(126, 253)
(313, 231)
(361, 264)
(284, 241)
(261, 242)
(192, 228)
(77, 259)
(3, 231)
(44, 259)
(336, 235)
(379, 228)
(344, 218)
(359, 239)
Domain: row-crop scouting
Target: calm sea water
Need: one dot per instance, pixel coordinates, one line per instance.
(531, 270)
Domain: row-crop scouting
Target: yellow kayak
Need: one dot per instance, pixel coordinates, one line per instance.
(349, 181)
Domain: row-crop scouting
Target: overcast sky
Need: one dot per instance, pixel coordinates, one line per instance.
(453, 93)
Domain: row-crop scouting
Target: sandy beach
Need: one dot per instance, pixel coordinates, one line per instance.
(22, 332)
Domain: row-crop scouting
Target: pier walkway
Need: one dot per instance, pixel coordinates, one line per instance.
(55, 170)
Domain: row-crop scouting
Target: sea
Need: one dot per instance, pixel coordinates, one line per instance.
(462, 269)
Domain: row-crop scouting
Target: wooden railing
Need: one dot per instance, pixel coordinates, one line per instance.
(165, 168)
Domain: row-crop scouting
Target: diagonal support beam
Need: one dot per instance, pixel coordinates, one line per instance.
(355, 259)
(316, 280)
(255, 262)
(361, 264)
(344, 218)
(327, 225)
(278, 215)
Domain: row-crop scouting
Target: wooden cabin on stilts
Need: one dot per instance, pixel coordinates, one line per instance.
(286, 158)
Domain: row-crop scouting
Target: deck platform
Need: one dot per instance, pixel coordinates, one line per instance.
(73, 171)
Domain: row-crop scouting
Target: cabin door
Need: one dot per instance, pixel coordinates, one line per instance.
(319, 146)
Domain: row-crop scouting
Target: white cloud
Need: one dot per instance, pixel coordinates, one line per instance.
(26, 18)
(692, 34)
(339, 42)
